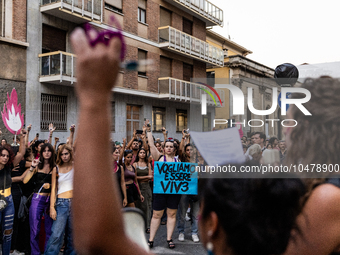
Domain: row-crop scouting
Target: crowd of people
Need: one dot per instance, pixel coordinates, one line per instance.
(243, 216)
(229, 216)
(38, 184)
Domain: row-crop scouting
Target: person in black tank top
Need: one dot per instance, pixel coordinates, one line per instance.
(41, 171)
(7, 160)
(117, 169)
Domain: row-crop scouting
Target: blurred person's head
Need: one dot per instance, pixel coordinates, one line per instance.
(65, 155)
(135, 145)
(255, 151)
(142, 155)
(47, 155)
(6, 155)
(140, 143)
(282, 145)
(158, 145)
(315, 139)
(170, 147)
(118, 145)
(259, 138)
(245, 148)
(269, 146)
(273, 141)
(239, 216)
(128, 156)
(37, 147)
(188, 150)
(3, 141)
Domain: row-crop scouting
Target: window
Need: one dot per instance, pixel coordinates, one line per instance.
(187, 26)
(207, 122)
(181, 120)
(187, 72)
(53, 110)
(114, 5)
(165, 65)
(113, 117)
(142, 56)
(142, 11)
(132, 120)
(165, 17)
(112, 8)
(141, 15)
(158, 119)
(211, 79)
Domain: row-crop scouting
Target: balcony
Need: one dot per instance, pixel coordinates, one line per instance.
(201, 9)
(57, 68)
(177, 41)
(76, 11)
(186, 91)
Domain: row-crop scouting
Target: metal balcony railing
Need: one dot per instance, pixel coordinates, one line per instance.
(176, 40)
(203, 9)
(82, 9)
(186, 91)
(57, 66)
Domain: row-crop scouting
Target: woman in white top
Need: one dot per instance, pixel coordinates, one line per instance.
(60, 207)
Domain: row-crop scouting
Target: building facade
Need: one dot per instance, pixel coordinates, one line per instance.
(245, 73)
(13, 46)
(169, 33)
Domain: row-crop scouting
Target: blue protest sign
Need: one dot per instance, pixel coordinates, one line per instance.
(279, 100)
(175, 178)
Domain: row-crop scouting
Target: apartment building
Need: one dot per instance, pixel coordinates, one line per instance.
(245, 73)
(171, 33)
(13, 46)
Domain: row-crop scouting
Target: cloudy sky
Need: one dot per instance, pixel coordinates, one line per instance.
(294, 31)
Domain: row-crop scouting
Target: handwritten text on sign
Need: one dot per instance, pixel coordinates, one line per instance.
(175, 178)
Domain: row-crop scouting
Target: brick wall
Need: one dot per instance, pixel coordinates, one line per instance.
(130, 77)
(19, 20)
(130, 8)
(153, 72)
(177, 69)
(198, 29)
(177, 21)
(199, 69)
(6, 86)
(152, 19)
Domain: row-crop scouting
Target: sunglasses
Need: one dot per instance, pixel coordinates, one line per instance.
(128, 151)
(170, 140)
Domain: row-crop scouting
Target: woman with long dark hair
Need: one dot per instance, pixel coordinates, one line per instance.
(131, 182)
(60, 203)
(7, 160)
(36, 148)
(117, 169)
(144, 175)
(41, 170)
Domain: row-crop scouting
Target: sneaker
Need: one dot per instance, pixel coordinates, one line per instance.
(15, 252)
(181, 237)
(195, 238)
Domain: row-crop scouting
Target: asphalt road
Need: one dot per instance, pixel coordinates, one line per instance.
(187, 247)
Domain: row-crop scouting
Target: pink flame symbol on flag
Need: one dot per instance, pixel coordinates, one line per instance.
(12, 118)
